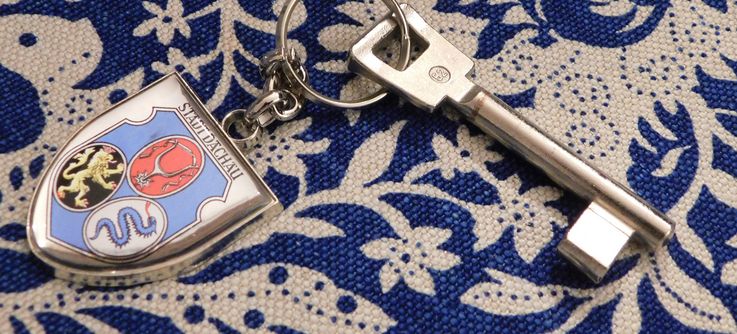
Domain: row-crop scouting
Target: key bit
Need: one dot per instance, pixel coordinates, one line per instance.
(439, 77)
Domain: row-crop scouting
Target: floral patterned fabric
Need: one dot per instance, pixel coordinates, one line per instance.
(397, 220)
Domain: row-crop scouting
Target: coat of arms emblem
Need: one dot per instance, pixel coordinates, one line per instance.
(147, 186)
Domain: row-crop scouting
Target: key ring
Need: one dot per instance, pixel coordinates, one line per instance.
(287, 87)
(313, 95)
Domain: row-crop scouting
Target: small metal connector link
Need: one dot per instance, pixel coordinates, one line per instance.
(280, 100)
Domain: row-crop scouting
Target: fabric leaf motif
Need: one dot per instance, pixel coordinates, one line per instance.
(21, 272)
(662, 176)
(130, 320)
(59, 323)
(627, 317)
(686, 299)
(21, 106)
(720, 5)
(511, 295)
(18, 326)
(722, 94)
(729, 273)
(718, 93)
(516, 15)
(583, 20)
(729, 270)
(13, 232)
(373, 157)
(504, 20)
(732, 241)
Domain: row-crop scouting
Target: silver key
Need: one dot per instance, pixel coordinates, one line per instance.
(439, 77)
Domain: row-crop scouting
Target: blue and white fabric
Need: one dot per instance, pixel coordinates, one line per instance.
(396, 220)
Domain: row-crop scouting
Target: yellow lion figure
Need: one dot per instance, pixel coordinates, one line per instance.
(97, 171)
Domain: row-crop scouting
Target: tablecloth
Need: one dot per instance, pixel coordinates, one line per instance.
(397, 220)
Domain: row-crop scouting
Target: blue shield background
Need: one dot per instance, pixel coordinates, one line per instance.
(180, 208)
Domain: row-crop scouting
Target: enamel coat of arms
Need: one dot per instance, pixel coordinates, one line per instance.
(145, 190)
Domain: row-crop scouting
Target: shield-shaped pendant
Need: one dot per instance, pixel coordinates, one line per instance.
(144, 191)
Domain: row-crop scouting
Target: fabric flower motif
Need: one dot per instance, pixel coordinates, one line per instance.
(527, 213)
(411, 257)
(470, 155)
(166, 23)
(282, 148)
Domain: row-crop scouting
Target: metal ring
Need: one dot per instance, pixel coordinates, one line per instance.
(315, 96)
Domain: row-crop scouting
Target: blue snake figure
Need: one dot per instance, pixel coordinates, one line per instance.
(125, 217)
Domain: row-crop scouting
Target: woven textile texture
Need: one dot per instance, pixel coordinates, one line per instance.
(397, 220)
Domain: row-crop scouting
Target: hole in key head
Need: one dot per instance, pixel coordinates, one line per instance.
(387, 49)
(429, 79)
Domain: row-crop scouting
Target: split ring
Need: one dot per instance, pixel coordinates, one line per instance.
(315, 96)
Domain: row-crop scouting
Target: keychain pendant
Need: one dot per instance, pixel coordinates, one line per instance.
(144, 191)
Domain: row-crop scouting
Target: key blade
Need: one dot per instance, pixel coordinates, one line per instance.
(439, 73)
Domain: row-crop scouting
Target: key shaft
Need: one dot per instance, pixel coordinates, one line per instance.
(439, 77)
